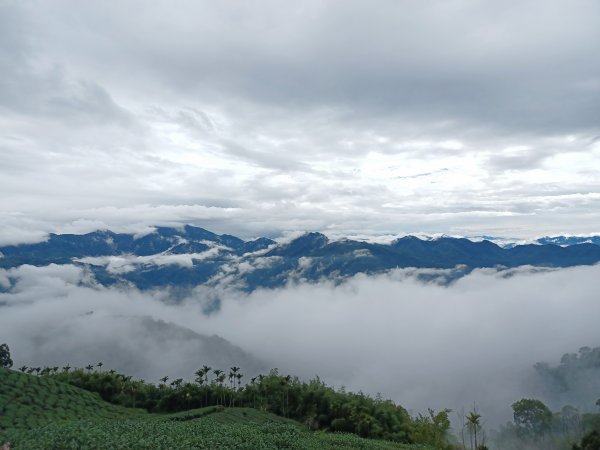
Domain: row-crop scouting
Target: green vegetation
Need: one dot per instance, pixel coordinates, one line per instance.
(315, 405)
(28, 402)
(5, 360)
(532, 418)
(89, 407)
(205, 433)
(536, 427)
(590, 441)
(40, 412)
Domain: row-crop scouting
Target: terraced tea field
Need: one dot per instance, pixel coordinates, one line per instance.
(39, 413)
(28, 401)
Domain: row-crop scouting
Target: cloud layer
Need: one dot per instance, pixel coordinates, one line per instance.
(423, 345)
(454, 117)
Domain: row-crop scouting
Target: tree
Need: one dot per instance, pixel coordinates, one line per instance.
(532, 418)
(177, 383)
(220, 379)
(285, 381)
(199, 377)
(132, 388)
(5, 360)
(463, 425)
(234, 370)
(432, 429)
(206, 370)
(474, 425)
(590, 441)
(570, 422)
(232, 377)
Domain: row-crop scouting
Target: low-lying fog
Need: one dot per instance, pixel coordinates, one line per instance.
(422, 345)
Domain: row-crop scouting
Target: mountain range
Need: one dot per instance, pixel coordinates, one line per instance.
(191, 256)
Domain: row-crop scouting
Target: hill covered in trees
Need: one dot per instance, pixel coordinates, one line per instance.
(65, 407)
(49, 411)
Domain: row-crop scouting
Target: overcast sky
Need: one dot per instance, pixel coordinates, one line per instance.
(256, 118)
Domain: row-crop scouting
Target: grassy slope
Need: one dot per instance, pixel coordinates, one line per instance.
(39, 413)
(27, 401)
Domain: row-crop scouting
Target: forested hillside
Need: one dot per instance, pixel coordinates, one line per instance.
(44, 412)
(52, 407)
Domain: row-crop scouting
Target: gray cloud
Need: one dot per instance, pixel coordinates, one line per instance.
(525, 65)
(37, 87)
(264, 118)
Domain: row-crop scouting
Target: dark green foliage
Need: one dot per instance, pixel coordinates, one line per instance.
(5, 360)
(27, 402)
(590, 441)
(532, 418)
(204, 433)
(314, 404)
(42, 413)
(432, 429)
(320, 407)
(195, 413)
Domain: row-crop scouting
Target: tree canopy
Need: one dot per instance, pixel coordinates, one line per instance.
(5, 360)
(532, 418)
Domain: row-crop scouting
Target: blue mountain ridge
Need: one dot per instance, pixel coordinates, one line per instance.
(192, 256)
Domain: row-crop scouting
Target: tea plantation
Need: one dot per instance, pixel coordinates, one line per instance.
(42, 413)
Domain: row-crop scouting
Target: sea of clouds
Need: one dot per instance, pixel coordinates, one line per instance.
(421, 344)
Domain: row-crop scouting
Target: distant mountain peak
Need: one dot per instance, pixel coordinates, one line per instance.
(190, 256)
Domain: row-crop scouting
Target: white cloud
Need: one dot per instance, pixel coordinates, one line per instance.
(127, 263)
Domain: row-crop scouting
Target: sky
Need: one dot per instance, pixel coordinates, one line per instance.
(259, 118)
